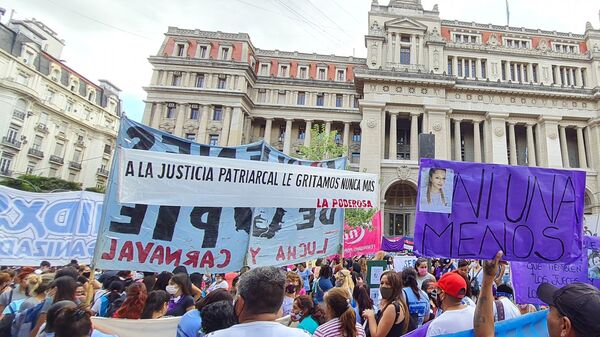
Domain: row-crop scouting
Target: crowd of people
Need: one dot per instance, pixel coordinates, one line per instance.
(326, 299)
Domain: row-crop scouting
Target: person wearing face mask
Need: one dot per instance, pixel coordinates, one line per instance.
(16, 295)
(343, 279)
(308, 315)
(422, 272)
(191, 322)
(219, 283)
(180, 289)
(288, 299)
(451, 289)
(393, 318)
(475, 278)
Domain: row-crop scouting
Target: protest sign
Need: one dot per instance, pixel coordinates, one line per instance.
(362, 241)
(374, 271)
(530, 325)
(151, 177)
(392, 244)
(155, 238)
(527, 276)
(161, 327)
(56, 227)
(531, 214)
(401, 262)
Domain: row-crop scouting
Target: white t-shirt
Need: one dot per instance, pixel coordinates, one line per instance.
(510, 310)
(452, 321)
(262, 329)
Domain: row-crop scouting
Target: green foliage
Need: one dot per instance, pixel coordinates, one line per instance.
(359, 217)
(96, 189)
(33, 183)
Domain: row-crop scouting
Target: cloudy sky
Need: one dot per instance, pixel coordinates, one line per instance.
(112, 39)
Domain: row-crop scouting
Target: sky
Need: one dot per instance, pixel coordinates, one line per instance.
(112, 39)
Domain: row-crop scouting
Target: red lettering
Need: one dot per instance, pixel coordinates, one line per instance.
(143, 252)
(291, 253)
(253, 253)
(207, 260)
(192, 258)
(280, 254)
(311, 250)
(369, 204)
(126, 251)
(174, 257)
(325, 204)
(324, 247)
(111, 251)
(158, 255)
(227, 258)
(334, 203)
(305, 252)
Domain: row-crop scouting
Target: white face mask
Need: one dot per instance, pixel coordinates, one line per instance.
(172, 289)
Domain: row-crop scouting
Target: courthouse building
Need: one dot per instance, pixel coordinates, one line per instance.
(489, 93)
(55, 122)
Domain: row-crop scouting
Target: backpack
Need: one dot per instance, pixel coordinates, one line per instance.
(7, 319)
(114, 306)
(475, 286)
(26, 320)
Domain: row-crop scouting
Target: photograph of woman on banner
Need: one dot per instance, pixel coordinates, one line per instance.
(436, 190)
(593, 264)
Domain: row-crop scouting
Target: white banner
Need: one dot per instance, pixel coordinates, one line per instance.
(155, 178)
(162, 327)
(401, 262)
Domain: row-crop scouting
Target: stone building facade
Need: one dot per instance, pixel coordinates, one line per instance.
(493, 94)
(55, 122)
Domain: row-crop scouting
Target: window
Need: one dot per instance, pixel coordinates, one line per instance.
(467, 68)
(450, 66)
(264, 69)
(69, 106)
(58, 149)
(465, 38)
(356, 135)
(13, 134)
(200, 81)
(566, 48)
(459, 68)
(341, 75)
(301, 98)
(23, 79)
(320, 99)
(303, 72)
(322, 74)
(203, 52)
(339, 100)
(77, 156)
(222, 82)
(43, 118)
(179, 49)
(503, 66)
(213, 140)
(404, 38)
(262, 95)
(338, 137)
(37, 142)
(170, 110)
(225, 53)
(194, 111)
(483, 71)
(5, 162)
(356, 98)
(281, 97)
(217, 113)
(281, 133)
(583, 75)
(50, 95)
(355, 159)
(283, 71)
(534, 71)
(301, 132)
(176, 79)
(30, 167)
(404, 55)
(190, 136)
(107, 149)
(512, 73)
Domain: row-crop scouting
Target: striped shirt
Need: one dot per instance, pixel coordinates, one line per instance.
(333, 328)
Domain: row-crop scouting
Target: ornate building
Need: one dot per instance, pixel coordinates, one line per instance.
(55, 122)
(493, 94)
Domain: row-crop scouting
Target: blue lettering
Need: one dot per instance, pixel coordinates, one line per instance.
(24, 248)
(77, 249)
(85, 218)
(60, 218)
(7, 247)
(29, 216)
(4, 206)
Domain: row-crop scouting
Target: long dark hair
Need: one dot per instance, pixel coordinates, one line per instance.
(305, 303)
(65, 288)
(162, 280)
(325, 272)
(409, 278)
(183, 282)
(73, 322)
(362, 298)
(395, 281)
(214, 296)
(156, 301)
(338, 301)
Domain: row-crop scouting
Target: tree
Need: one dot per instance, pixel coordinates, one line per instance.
(33, 183)
(96, 189)
(322, 147)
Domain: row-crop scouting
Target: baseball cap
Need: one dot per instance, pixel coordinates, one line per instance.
(453, 285)
(580, 302)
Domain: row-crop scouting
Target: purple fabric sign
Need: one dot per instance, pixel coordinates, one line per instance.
(392, 244)
(472, 210)
(527, 276)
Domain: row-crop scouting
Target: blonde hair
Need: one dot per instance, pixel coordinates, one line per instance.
(379, 256)
(431, 173)
(37, 284)
(348, 284)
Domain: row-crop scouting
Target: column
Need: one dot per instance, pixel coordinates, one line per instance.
(414, 136)
(507, 70)
(495, 130)
(581, 148)
(203, 124)
(476, 142)
(530, 146)
(397, 49)
(346, 137)
(437, 118)
(224, 139)
(454, 66)
(578, 77)
(392, 149)
(413, 48)
(557, 76)
(478, 68)
(457, 143)
(571, 76)
(529, 72)
(390, 55)
(236, 128)
(327, 127)
(155, 77)
(307, 133)
(421, 47)
(268, 126)
(147, 119)
(563, 147)
(247, 130)
(287, 139)
(512, 143)
(548, 142)
(372, 133)
(208, 81)
(523, 73)
(515, 72)
(181, 110)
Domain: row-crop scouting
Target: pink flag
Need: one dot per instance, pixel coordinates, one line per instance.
(362, 241)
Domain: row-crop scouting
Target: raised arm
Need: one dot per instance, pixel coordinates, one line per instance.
(483, 321)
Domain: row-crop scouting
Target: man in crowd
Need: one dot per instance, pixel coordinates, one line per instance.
(451, 289)
(258, 304)
(504, 308)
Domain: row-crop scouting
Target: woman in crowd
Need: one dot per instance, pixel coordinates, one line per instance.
(294, 279)
(416, 299)
(115, 291)
(37, 286)
(317, 269)
(75, 322)
(5, 281)
(307, 314)
(342, 319)
(293, 284)
(180, 289)
(393, 318)
(157, 304)
(47, 329)
(217, 316)
(61, 289)
(422, 272)
(162, 280)
(363, 267)
(219, 283)
(190, 322)
(323, 283)
(428, 287)
(363, 302)
(15, 296)
(196, 279)
(134, 302)
(343, 279)
(526, 308)
(149, 280)
(81, 293)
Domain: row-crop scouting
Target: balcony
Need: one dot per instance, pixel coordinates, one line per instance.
(20, 115)
(5, 172)
(11, 142)
(75, 165)
(103, 172)
(412, 68)
(56, 160)
(35, 153)
(41, 127)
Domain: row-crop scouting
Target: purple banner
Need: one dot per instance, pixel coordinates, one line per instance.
(527, 276)
(472, 210)
(392, 244)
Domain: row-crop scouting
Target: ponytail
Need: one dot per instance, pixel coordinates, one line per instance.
(338, 300)
(348, 322)
(409, 278)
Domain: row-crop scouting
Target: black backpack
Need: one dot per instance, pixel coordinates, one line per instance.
(7, 319)
(115, 305)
